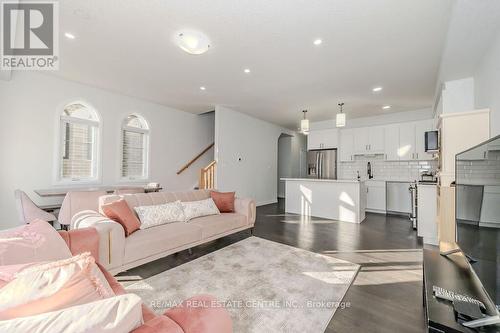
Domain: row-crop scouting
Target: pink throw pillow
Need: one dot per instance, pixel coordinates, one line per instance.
(34, 242)
(224, 201)
(120, 212)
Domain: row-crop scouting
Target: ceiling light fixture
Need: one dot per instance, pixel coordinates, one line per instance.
(69, 35)
(386, 107)
(192, 42)
(377, 89)
(317, 42)
(246, 70)
(203, 88)
(340, 119)
(304, 123)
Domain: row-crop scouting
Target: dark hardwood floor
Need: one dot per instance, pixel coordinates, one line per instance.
(386, 295)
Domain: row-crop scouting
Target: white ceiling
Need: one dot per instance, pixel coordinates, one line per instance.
(126, 46)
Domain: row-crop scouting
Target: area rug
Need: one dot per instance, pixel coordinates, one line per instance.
(265, 286)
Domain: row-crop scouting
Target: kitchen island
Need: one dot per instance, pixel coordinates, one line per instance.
(336, 199)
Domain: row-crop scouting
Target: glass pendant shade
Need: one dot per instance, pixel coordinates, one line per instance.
(340, 121)
(304, 125)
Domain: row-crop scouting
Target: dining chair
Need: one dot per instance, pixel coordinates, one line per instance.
(28, 211)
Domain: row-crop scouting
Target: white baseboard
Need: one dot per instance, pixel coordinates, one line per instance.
(266, 202)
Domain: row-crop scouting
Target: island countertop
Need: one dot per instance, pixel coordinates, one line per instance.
(322, 180)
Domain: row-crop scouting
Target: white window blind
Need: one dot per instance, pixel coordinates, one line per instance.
(79, 135)
(135, 135)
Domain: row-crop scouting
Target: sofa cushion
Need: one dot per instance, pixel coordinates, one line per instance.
(218, 224)
(152, 216)
(193, 209)
(224, 201)
(116, 314)
(34, 242)
(120, 212)
(144, 243)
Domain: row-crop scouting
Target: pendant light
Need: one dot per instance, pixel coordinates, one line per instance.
(304, 124)
(340, 120)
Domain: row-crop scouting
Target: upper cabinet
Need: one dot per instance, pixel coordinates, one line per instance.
(398, 142)
(369, 140)
(346, 145)
(391, 138)
(323, 139)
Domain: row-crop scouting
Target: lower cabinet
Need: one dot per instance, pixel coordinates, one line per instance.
(427, 213)
(375, 196)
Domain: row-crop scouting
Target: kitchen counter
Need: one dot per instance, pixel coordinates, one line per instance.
(336, 199)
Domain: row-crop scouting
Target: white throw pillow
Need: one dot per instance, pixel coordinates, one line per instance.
(199, 208)
(46, 279)
(111, 315)
(151, 216)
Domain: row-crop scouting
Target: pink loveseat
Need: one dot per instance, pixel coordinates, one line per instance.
(119, 253)
(181, 319)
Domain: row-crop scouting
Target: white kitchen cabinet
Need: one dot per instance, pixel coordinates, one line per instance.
(375, 196)
(369, 140)
(427, 213)
(376, 141)
(346, 145)
(406, 150)
(391, 136)
(361, 140)
(420, 128)
(322, 139)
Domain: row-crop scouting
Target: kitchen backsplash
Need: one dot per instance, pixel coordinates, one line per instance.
(484, 171)
(384, 170)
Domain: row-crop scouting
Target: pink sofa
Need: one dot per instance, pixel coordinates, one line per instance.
(180, 319)
(119, 253)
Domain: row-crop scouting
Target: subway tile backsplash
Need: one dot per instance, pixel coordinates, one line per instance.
(480, 171)
(384, 170)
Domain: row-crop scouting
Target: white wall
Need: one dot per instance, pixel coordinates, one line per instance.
(29, 106)
(487, 78)
(246, 150)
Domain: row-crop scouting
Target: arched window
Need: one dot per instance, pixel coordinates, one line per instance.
(135, 148)
(79, 135)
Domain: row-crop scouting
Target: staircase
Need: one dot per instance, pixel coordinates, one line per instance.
(207, 174)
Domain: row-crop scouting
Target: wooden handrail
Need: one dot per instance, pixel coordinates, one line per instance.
(207, 176)
(195, 158)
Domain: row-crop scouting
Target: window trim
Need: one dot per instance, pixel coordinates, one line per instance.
(147, 148)
(62, 119)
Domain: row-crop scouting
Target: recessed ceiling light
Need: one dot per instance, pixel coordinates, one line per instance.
(386, 107)
(203, 88)
(377, 89)
(317, 42)
(193, 42)
(247, 70)
(69, 35)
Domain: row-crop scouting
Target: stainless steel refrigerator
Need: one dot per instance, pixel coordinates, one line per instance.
(322, 164)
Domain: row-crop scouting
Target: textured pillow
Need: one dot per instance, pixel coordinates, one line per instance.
(224, 201)
(44, 280)
(199, 208)
(34, 242)
(120, 212)
(8, 272)
(151, 216)
(116, 314)
(83, 287)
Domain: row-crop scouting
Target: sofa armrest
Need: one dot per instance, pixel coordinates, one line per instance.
(111, 236)
(82, 240)
(246, 207)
